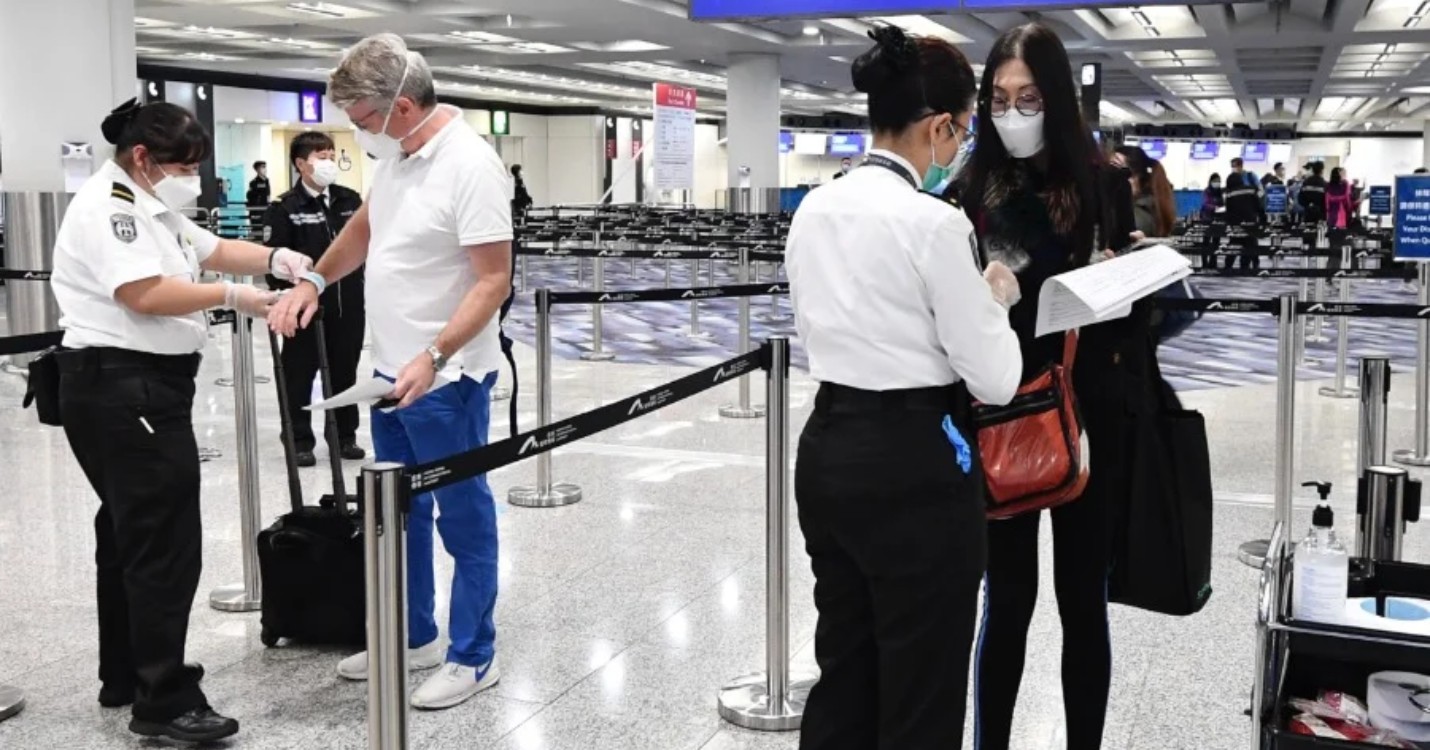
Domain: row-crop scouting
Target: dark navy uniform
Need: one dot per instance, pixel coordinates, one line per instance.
(307, 223)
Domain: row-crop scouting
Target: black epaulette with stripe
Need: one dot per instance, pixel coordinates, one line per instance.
(122, 192)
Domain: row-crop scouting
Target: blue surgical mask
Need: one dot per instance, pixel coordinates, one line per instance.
(940, 176)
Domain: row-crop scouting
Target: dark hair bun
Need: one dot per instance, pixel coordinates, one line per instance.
(114, 125)
(894, 54)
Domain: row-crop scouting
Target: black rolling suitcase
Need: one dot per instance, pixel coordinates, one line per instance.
(311, 558)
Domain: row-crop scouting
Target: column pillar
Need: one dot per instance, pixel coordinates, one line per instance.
(64, 64)
(1425, 145)
(753, 130)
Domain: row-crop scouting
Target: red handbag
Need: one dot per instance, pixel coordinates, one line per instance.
(1033, 450)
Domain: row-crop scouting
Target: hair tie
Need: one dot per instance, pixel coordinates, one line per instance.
(119, 119)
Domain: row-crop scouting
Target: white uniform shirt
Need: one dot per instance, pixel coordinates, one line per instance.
(425, 210)
(114, 233)
(887, 292)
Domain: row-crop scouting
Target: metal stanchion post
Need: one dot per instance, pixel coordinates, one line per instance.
(1380, 532)
(695, 332)
(1374, 392)
(1420, 454)
(1304, 296)
(545, 493)
(743, 409)
(1343, 335)
(525, 273)
(598, 353)
(774, 315)
(1318, 335)
(385, 555)
(773, 700)
(1253, 553)
(248, 595)
(12, 701)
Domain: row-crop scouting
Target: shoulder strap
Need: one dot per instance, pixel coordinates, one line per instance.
(1069, 350)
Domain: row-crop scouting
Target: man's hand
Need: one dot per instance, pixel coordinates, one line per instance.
(295, 310)
(414, 381)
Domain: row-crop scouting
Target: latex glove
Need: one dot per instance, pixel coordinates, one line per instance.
(290, 264)
(295, 310)
(248, 300)
(1003, 283)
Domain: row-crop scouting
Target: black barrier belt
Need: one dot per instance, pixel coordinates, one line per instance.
(667, 295)
(463, 466)
(1369, 310)
(1218, 305)
(1402, 274)
(17, 275)
(1266, 252)
(30, 342)
(767, 256)
(642, 254)
(222, 317)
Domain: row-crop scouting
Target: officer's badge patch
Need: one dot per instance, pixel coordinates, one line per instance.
(267, 233)
(123, 226)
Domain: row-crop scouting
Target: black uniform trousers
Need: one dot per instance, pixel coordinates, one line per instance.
(300, 365)
(128, 418)
(895, 533)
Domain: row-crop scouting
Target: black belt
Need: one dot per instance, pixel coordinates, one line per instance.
(840, 398)
(110, 358)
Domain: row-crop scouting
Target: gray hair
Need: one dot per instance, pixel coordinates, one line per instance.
(372, 71)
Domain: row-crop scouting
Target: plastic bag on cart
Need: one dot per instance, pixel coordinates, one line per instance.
(1333, 704)
(1314, 726)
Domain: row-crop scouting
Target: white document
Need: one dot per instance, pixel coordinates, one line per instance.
(1106, 290)
(365, 392)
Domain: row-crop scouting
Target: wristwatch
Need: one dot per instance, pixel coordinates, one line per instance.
(439, 360)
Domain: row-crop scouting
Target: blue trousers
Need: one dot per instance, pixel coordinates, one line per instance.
(451, 419)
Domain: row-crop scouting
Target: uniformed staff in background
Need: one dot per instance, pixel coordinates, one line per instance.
(887, 483)
(258, 190)
(1242, 196)
(126, 277)
(307, 218)
(1312, 198)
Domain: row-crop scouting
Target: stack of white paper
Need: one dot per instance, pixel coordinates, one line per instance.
(1106, 290)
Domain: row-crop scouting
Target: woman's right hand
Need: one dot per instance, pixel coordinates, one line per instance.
(249, 300)
(1003, 283)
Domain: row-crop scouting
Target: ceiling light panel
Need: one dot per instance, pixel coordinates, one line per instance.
(322, 10)
(651, 71)
(545, 80)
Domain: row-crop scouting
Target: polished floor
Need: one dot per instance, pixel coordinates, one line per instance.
(620, 616)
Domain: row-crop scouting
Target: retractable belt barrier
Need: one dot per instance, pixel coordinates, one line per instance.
(29, 342)
(1398, 274)
(592, 251)
(1329, 309)
(19, 275)
(667, 295)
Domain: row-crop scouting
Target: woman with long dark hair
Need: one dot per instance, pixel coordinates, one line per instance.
(1045, 203)
(900, 326)
(1338, 200)
(1154, 204)
(1212, 197)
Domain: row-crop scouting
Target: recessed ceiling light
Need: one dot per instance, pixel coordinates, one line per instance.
(811, 30)
(319, 9)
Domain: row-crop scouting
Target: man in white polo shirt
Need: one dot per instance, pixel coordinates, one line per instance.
(436, 236)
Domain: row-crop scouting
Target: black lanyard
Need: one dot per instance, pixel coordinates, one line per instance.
(879, 160)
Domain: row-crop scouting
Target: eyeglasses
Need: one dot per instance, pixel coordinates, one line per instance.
(1027, 104)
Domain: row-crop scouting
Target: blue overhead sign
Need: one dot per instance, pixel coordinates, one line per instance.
(1275, 199)
(1255, 151)
(1412, 217)
(1155, 149)
(1205, 150)
(786, 142)
(846, 144)
(1380, 203)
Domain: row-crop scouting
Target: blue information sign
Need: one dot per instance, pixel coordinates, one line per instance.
(1205, 150)
(1380, 203)
(1255, 151)
(846, 144)
(1275, 199)
(1412, 217)
(1155, 149)
(786, 142)
(725, 10)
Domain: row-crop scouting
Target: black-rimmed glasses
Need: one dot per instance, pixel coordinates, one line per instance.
(1026, 104)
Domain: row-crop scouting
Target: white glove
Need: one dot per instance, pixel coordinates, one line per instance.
(248, 299)
(289, 264)
(1003, 284)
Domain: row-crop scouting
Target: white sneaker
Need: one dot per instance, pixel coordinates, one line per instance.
(455, 684)
(426, 657)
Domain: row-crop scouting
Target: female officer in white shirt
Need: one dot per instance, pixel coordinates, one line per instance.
(126, 276)
(900, 327)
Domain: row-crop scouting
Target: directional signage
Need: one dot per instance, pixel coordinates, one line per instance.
(1412, 217)
(1275, 199)
(1380, 202)
(1155, 149)
(1255, 151)
(1205, 150)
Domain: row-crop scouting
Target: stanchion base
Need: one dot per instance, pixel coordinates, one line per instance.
(1317, 339)
(774, 318)
(209, 454)
(597, 356)
(1253, 554)
(12, 701)
(233, 598)
(698, 335)
(746, 703)
(1411, 458)
(501, 394)
(1332, 392)
(735, 411)
(560, 495)
(224, 382)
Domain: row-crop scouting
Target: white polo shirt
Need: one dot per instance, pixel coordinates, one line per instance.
(425, 210)
(114, 233)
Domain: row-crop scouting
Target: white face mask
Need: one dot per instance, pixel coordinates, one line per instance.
(176, 192)
(325, 172)
(1022, 135)
(381, 145)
